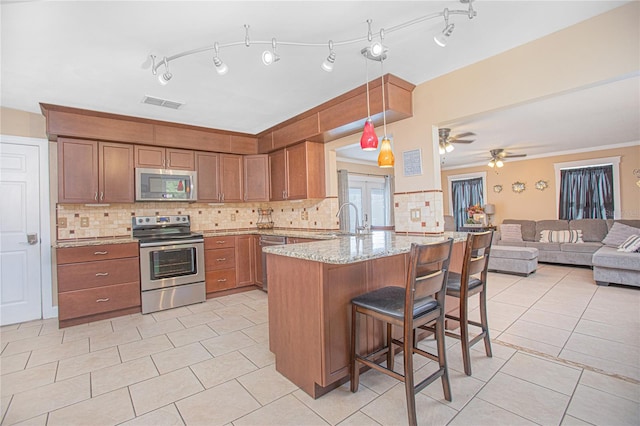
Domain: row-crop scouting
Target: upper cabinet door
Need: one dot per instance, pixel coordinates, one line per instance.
(77, 171)
(116, 173)
(207, 168)
(231, 177)
(278, 175)
(256, 178)
(297, 171)
(180, 159)
(149, 157)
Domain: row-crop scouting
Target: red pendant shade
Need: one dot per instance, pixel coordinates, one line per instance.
(369, 139)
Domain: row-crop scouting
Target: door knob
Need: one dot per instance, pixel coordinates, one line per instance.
(32, 239)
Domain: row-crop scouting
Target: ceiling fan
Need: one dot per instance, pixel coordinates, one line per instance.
(497, 155)
(446, 140)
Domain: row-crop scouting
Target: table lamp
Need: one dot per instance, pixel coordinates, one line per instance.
(489, 209)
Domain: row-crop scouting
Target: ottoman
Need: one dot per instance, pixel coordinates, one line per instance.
(513, 260)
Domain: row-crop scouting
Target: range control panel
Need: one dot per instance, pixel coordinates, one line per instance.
(161, 220)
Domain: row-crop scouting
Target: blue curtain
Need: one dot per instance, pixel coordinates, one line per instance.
(465, 193)
(586, 193)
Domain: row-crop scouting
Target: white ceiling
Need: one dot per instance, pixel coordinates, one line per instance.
(94, 55)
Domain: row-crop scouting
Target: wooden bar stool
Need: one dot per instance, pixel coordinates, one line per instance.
(471, 281)
(420, 302)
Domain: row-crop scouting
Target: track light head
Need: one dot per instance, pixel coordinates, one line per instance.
(442, 38)
(269, 57)
(327, 65)
(221, 67)
(164, 78)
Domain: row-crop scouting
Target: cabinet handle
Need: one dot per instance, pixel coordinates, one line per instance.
(284, 194)
(223, 197)
(106, 299)
(95, 197)
(223, 280)
(102, 274)
(220, 242)
(100, 252)
(221, 259)
(101, 195)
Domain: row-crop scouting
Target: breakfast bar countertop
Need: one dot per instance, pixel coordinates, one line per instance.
(350, 248)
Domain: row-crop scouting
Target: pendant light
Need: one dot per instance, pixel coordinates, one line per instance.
(369, 139)
(385, 158)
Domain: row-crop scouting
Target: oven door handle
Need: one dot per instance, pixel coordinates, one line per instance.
(171, 243)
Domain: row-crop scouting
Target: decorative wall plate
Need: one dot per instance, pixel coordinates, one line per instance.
(518, 187)
(542, 185)
(497, 188)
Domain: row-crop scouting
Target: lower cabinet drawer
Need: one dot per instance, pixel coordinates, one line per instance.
(80, 303)
(219, 259)
(84, 275)
(220, 280)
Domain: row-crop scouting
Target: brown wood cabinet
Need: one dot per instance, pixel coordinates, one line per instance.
(92, 171)
(297, 172)
(220, 177)
(153, 157)
(256, 177)
(97, 282)
(245, 260)
(220, 263)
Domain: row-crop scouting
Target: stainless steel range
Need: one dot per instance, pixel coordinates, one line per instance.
(171, 262)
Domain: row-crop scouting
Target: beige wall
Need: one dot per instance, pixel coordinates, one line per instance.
(535, 204)
(21, 123)
(362, 168)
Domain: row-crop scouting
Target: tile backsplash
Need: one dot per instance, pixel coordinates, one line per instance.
(114, 220)
(75, 221)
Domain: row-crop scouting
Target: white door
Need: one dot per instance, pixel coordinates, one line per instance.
(371, 198)
(20, 268)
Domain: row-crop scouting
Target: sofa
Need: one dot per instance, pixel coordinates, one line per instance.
(595, 247)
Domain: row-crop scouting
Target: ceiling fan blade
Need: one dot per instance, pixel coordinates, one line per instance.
(461, 140)
(514, 155)
(464, 135)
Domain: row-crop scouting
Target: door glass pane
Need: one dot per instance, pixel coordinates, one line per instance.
(355, 197)
(378, 207)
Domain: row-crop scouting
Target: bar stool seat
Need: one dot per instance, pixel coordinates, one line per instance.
(390, 301)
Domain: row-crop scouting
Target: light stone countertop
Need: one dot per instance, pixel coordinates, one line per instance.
(93, 242)
(351, 249)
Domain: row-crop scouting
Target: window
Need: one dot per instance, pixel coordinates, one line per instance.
(465, 190)
(588, 189)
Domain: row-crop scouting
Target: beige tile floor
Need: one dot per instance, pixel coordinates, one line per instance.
(566, 352)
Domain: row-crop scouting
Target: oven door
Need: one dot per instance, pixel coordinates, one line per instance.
(170, 264)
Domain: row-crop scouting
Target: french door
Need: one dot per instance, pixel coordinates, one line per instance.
(371, 197)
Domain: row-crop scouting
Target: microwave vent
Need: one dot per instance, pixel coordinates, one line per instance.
(162, 102)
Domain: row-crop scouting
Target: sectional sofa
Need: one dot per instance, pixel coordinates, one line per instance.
(595, 248)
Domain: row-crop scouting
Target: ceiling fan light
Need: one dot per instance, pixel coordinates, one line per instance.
(386, 158)
(441, 149)
(369, 139)
(499, 163)
(448, 147)
(491, 163)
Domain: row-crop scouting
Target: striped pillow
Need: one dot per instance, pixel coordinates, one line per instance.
(573, 236)
(631, 244)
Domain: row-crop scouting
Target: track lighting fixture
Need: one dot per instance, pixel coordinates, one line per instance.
(327, 65)
(221, 67)
(442, 38)
(385, 158)
(166, 76)
(269, 57)
(375, 51)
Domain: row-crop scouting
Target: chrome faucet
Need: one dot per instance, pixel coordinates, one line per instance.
(359, 229)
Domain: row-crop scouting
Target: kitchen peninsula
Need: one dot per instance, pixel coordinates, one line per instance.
(310, 289)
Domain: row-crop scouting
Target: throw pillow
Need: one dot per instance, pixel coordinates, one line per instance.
(511, 233)
(573, 236)
(618, 234)
(631, 244)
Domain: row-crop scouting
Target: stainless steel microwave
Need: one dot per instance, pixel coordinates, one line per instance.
(166, 185)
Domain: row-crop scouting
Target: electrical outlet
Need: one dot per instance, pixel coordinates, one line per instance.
(233, 217)
(84, 222)
(415, 215)
(62, 222)
(304, 215)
